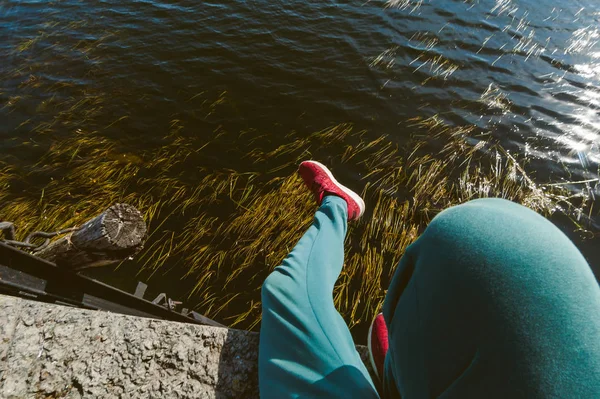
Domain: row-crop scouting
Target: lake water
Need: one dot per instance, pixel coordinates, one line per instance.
(525, 72)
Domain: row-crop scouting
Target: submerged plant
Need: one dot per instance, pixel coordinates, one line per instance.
(222, 231)
(215, 233)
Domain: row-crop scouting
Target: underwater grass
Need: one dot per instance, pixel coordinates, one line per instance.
(224, 258)
(221, 231)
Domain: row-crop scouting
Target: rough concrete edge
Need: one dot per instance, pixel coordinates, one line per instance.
(56, 351)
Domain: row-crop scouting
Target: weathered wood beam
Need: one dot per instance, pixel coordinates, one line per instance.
(117, 234)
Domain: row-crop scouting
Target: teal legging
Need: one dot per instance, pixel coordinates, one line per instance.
(491, 301)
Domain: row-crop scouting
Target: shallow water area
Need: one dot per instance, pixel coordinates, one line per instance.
(169, 103)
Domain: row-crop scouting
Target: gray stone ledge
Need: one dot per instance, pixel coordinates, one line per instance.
(51, 351)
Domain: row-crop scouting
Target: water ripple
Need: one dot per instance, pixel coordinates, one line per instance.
(526, 72)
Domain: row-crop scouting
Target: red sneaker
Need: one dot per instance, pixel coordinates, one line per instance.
(378, 344)
(321, 182)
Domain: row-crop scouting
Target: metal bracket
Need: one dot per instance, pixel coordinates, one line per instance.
(166, 302)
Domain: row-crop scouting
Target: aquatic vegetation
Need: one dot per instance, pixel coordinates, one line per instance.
(386, 59)
(413, 5)
(222, 231)
(438, 65)
(495, 99)
(216, 232)
(584, 39)
(504, 7)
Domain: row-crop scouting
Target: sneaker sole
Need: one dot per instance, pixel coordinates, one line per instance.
(370, 348)
(350, 193)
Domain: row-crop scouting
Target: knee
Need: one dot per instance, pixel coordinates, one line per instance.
(498, 236)
(488, 220)
(481, 210)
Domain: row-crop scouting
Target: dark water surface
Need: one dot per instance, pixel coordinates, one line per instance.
(527, 72)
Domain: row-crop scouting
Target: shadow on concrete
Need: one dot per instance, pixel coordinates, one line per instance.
(238, 366)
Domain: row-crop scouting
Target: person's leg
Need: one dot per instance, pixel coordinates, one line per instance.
(493, 301)
(306, 350)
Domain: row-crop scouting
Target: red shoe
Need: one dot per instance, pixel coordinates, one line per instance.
(321, 182)
(378, 344)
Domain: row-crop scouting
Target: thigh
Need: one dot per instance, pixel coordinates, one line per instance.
(493, 301)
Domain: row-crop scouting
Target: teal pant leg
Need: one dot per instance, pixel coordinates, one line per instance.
(306, 350)
(493, 301)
